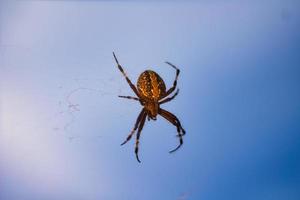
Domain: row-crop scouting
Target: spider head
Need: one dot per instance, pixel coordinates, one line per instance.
(152, 108)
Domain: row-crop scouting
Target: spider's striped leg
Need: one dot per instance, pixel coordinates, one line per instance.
(129, 97)
(174, 120)
(135, 126)
(138, 136)
(175, 81)
(126, 77)
(170, 98)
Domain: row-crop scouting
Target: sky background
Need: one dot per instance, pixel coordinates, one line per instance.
(61, 122)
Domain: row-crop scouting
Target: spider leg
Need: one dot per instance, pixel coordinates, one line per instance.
(126, 77)
(129, 97)
(170, 98)
(138, 136)
(135, 127)
(174, 120)
(175, 81)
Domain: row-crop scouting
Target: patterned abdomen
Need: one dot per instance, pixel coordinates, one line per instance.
(151, 86)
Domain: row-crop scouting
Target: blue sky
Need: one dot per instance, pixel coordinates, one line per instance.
(61, 122)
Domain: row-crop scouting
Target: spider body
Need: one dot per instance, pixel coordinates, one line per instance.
(151, 93)
(152, 88)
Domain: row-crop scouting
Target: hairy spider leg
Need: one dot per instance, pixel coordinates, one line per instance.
(170, 98)
(126, 77)
(174, 120)
(175, 81)
(129, 97)
(138, 136)
(135, 126)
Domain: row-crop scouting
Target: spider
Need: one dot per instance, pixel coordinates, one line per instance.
(151, 93)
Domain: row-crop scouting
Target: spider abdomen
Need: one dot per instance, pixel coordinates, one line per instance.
(150, 85)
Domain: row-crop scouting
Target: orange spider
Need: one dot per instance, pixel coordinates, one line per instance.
(151, 93)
